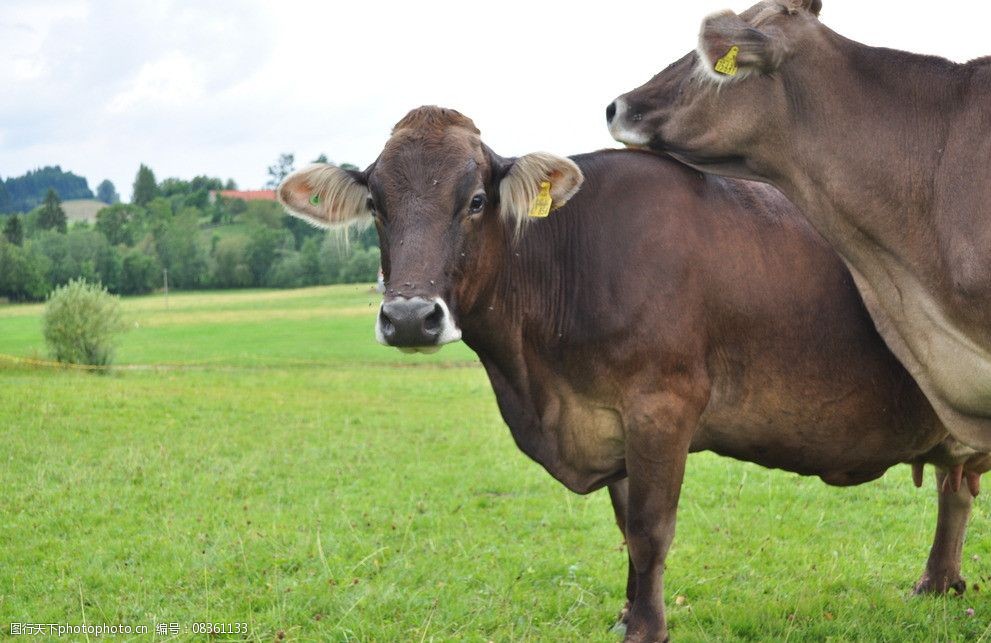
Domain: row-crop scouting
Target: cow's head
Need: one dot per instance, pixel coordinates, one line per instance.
(446, 208)
(714, 107)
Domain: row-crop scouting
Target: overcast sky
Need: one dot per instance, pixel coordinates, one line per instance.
(222, 87)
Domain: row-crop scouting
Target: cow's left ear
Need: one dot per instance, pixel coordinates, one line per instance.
(812, 6)
(520, 185)
(728, 47)
(325, 195)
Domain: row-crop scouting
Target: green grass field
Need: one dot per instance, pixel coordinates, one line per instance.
(297, 477)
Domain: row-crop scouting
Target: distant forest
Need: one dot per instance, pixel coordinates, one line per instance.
(23, 193)
(171, 230)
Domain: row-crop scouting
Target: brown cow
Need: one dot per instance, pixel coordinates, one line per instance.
(887, 153)
(658, 312)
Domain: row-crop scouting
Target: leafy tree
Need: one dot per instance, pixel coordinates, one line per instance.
(140, 272)
(194, 193)
(157, 213)
(82, 253)
(282, 168)
(107, 193)
(180, 251)
(52, 216)
(350, 166)
(95, 258)
(205, 184)
(173, 186)
(13, 230)
(231, 263)
(230, 185)
(61, 266)
(22, 273)
(197, 199)
(268, 214)
(362, 266)
(287, 272)
(145, 188)
(321, 159)
(225, 210)
(309, 258)
(5, 204)
(118, 223)
(301, 230)
(333, 255)
(366, 237)
(263, 247)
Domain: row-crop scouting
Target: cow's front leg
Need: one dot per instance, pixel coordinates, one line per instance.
(943, 567)
(619, 493)
(657, 448)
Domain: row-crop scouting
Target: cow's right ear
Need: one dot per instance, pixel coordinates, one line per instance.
(325, 195)
(729, 47)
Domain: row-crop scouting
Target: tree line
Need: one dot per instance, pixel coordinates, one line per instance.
(23, 193)
(173, 227)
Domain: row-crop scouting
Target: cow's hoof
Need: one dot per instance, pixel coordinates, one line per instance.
(624, 614)
(640, 639)
(649, 634)
(939, 584)
(621, 620)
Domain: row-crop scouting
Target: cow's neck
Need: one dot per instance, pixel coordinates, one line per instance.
(882, 163)
(864, 160)
(521, 327)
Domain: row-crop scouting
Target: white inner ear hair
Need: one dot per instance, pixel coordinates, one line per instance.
(705, 71)
(520, 187)
(341, 200)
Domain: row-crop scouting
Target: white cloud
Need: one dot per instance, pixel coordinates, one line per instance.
(174, 79)
(221, 88)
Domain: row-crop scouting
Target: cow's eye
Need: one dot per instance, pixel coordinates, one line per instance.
(477, 204)
(370, 204)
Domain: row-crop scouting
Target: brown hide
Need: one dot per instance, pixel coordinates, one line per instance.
(887, 154)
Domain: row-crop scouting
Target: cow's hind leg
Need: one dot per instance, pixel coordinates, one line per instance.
(943, 567)
(619, 493)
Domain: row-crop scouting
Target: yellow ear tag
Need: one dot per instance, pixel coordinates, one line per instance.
(542, 204)
(727, 64)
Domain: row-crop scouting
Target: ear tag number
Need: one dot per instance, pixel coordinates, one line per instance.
(315, 199)
(542, 204)
(727, 64)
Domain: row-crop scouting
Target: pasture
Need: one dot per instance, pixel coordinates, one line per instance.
(82, 209)
(274, 466)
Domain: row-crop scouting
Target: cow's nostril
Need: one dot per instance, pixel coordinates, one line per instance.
(610, 112)
(433, 321)
(386, 324)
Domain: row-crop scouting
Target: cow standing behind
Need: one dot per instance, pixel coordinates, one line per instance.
(887, 153)
(657, 312)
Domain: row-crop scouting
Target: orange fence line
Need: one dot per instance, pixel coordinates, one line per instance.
(218, 363)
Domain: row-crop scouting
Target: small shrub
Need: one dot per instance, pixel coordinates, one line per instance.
(82, 322)
(361, 267)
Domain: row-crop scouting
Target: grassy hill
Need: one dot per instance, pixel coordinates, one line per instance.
(282, 470)
(82, 209)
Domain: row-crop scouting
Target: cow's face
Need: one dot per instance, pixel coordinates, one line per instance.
(446, 208)
(715, 107)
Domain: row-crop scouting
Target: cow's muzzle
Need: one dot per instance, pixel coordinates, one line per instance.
(422, 325)
(625, 124)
